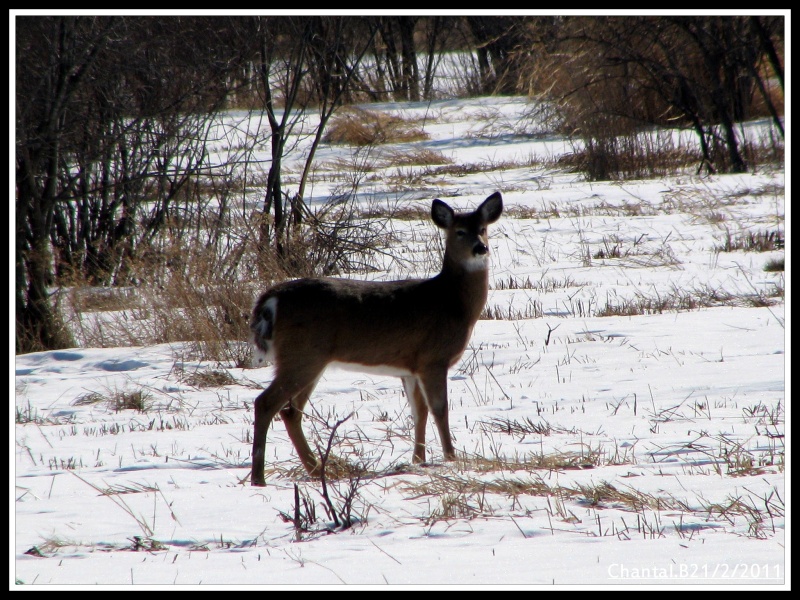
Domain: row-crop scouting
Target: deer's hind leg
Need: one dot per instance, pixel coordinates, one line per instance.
(292, 416)
(289, 392)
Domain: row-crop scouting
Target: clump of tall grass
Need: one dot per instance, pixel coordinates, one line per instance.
(603, 154)
(759, 241)
(776, 265)
(359, 127)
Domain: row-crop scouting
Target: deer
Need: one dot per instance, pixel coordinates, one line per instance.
(415, 329)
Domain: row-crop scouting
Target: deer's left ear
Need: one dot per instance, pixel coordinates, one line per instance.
(442, 214)
(491, 208)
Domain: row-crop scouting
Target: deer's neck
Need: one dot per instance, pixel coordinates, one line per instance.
(467, 286)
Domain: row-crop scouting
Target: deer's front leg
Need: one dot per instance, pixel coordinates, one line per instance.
(434, 386)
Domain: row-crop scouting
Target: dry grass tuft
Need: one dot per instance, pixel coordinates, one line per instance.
(587, 458)
(359, 127)
(210, 378)
(138, 400)
(761, 241)
(89, 398)
(531, 310)
(417, 156)
(775, 265)
(117, 400)
(518, 428)
(542, 285)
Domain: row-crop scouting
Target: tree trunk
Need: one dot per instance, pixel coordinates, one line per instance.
(410, 67)
(38, 324)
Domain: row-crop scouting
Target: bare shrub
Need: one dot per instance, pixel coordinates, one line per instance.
(345, 471)
(335, 238)
(603, 154)
(191, 287)
(197, 285)
(612, 76)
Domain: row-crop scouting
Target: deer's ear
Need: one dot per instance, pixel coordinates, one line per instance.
(442, 214)
(491, 208)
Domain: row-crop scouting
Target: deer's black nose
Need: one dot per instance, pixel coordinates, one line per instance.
(480, 249)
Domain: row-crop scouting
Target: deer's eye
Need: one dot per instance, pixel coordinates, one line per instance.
(460, 232)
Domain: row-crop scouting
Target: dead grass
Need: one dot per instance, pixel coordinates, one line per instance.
(426, 174)
(519, 429)
(605, 157)
(634, 253)
(465, 496)
(199, 290)
(117, 400)
(603, 494)
(95, 299)
(400, 213)
(587, 458)
(89, 398)
(602, 208)
(760, 241)
(459, 506)
(775, 265)
(190, 290)
(418, 156)
(209, 378)
(359, 127)
(542, 285)
(128, 488)
(139, 400)
(30, 414)
(673, 300)
(532, 309)
(682, 300)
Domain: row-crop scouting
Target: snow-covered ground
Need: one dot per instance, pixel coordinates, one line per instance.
(641, 447)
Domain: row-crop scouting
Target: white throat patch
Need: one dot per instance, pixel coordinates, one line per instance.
(477, 263)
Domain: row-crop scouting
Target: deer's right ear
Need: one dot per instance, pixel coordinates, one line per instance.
(442, 214)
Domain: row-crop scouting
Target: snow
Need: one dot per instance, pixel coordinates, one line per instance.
(683, 409)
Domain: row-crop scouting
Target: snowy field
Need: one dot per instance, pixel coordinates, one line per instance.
(619, 422)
